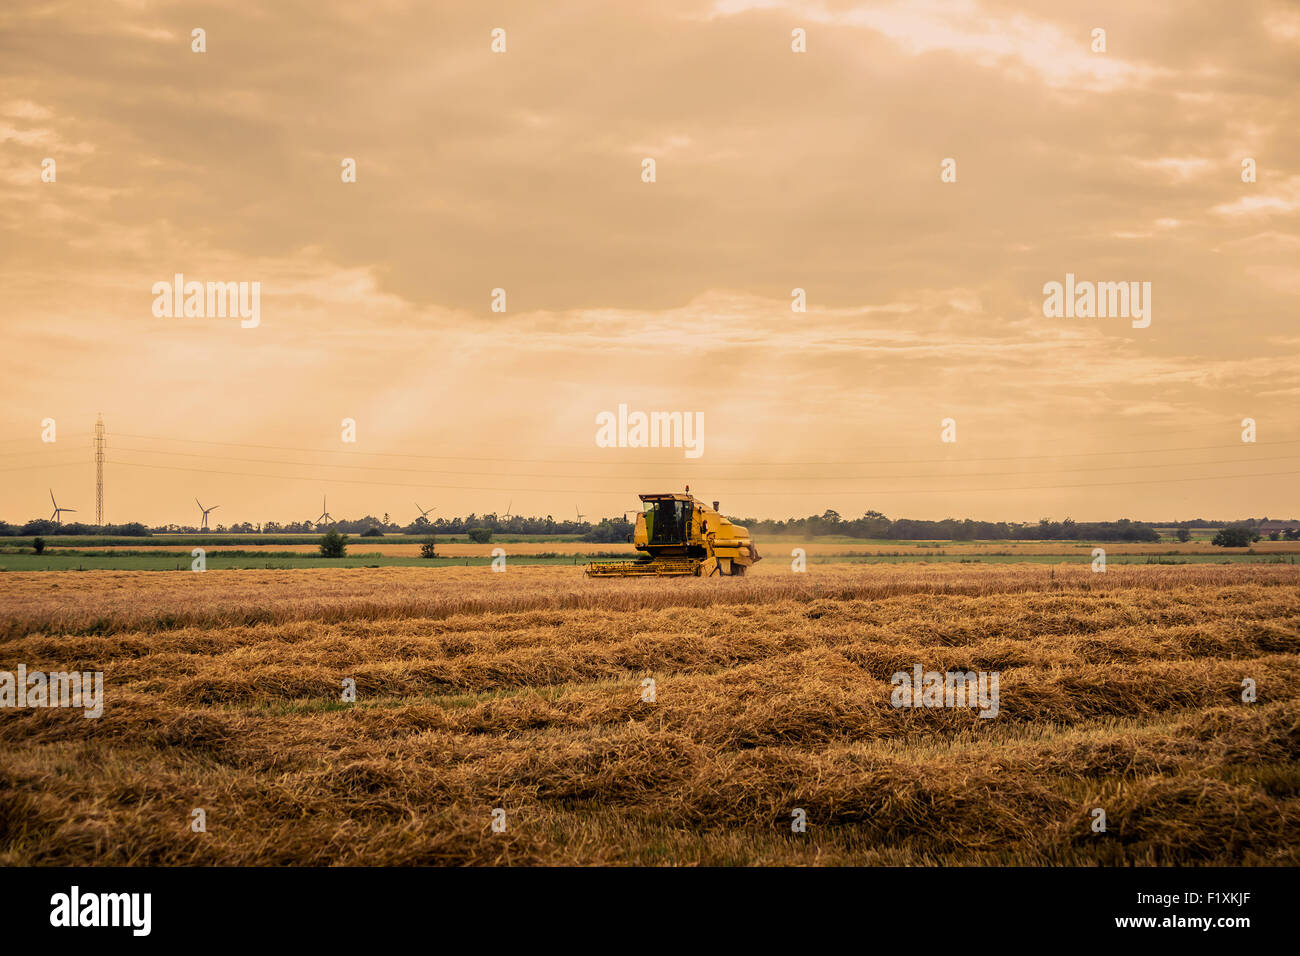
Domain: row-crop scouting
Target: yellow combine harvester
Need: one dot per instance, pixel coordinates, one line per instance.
(682, 536)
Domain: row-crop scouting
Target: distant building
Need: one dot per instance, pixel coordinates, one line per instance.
(1268, 527)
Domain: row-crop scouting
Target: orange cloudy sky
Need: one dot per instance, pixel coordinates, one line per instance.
(775, 170)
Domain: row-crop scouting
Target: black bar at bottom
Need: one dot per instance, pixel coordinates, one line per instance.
(217, 906)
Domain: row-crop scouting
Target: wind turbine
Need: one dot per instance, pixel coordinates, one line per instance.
(508, 507)
(578, 513)
(57, 510)
(325, 514)
(424, 512)
(206, 512)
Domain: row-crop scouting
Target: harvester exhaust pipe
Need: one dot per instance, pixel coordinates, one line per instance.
(715, 506)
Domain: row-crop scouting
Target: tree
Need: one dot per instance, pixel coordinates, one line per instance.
(480, 535)
(429, 549)
(1183, 535)
(333, 545)
(38, 545)
(609, 530)
(1234, 536)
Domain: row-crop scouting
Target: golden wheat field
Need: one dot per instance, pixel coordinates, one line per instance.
(523, 691)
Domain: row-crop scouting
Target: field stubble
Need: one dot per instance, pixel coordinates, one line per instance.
(522, 690)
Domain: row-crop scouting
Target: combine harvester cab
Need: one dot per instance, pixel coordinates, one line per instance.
(682, 536)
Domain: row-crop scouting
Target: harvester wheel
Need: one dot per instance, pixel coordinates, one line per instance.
(737, 569)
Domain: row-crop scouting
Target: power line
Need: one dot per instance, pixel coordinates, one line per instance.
(691, 462)
(856, 491)
(670, 464)
(1225, 423)
(48, 464)
(7, 441)
(696, 475)
(45, 446)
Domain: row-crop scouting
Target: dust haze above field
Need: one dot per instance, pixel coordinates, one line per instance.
(775, 171)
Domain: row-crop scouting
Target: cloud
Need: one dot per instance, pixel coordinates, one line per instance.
(967, 29)
(775, 170)
(1262, 201)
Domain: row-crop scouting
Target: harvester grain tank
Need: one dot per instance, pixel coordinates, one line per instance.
(682, 536)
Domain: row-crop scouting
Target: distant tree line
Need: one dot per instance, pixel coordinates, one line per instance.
(515, 524)
(607, 529)
(1285, 529)
(45, 526)
(872, 524)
